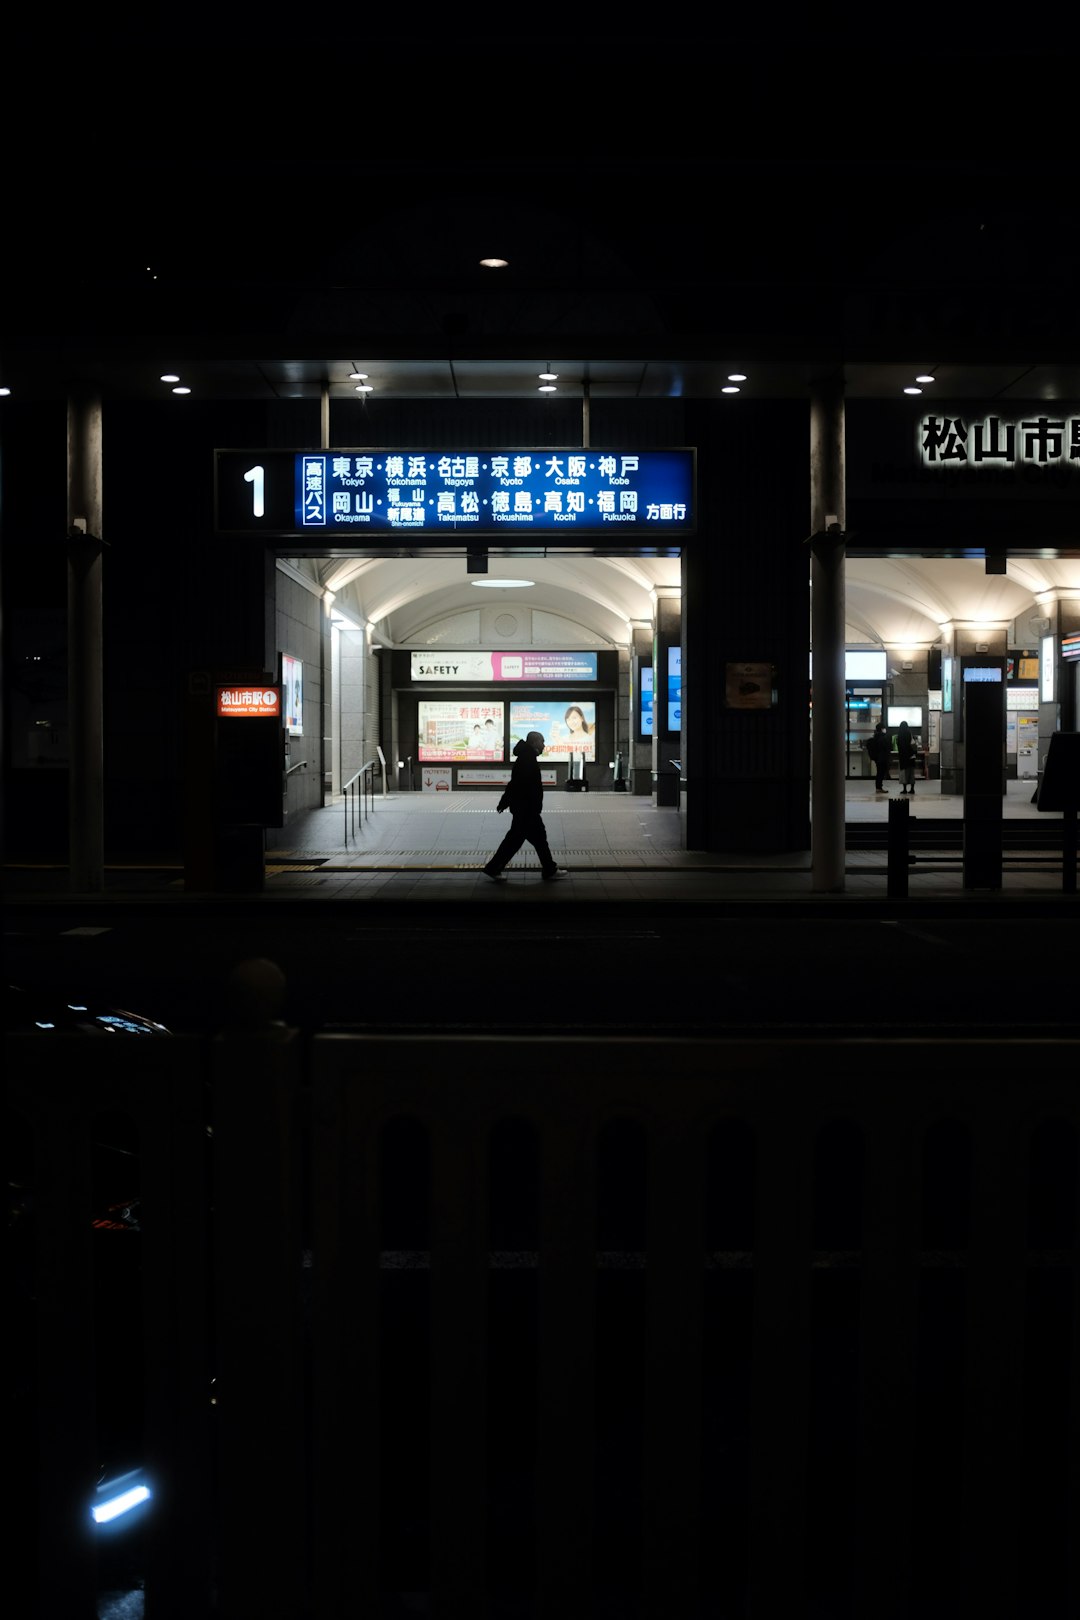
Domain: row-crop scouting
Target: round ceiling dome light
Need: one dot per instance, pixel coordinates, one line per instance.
(503, 584)
(495, 264)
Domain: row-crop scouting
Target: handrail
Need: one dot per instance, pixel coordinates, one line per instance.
(360, 787)
(301, 765)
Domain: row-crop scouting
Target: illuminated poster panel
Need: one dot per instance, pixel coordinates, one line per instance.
(674, 688)
(646, 700)
(292, 691)
(453, 731)
(567, 728)
(529, 665)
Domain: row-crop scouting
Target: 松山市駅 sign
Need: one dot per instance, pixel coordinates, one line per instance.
(1031, 440)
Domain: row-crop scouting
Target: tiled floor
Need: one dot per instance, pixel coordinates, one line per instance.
(614, 846)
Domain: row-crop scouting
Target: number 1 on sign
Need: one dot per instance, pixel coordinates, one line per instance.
(254, 477)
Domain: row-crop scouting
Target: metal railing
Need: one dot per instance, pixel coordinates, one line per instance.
(727, 1323)
(359, 797)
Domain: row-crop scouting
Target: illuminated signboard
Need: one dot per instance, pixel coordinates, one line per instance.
(365, 495)
(566, 728)
(529, 665)
(1070, 644)
(249, 702)
(999, 441)
(459, 731)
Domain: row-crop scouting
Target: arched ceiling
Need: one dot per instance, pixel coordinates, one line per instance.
(890, 602)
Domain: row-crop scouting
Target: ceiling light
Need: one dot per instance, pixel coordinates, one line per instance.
(737, 376)
(358, 376)
(926, 378)
(729, 389)
(170, 376)
(495, 264)
(547, 388)
(181, 390)
(548, 376)
(364, 388)
(504, 584)
(912, 390)
(5, 392)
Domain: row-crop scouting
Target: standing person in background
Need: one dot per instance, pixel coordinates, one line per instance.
(880, 750)
(524, 798)
(905, 757)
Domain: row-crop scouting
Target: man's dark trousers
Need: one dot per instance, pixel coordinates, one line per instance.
(524, 829)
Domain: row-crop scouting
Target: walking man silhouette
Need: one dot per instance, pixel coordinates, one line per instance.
(524, 798)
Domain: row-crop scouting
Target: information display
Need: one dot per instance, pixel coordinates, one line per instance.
(368, 494)
(567, 728)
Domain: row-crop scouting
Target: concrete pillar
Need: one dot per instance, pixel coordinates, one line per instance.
(827, 627)
(86, 780)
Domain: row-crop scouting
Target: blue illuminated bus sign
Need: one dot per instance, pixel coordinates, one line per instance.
(364, 495)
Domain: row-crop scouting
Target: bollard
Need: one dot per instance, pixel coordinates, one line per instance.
(898, 849)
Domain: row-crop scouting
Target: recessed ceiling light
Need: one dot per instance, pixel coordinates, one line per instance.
(181, 390)
(364, 388)
(358, 376)
(912, 390)
(503, 584)
(495, 264)
(729, 389)
(5, 392)
(926, 379)
(547, 388)
(737, 376)
(548, 376)
(170, 376)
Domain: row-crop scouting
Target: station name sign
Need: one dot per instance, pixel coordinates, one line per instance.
(364, 495)
(1000, 441)
(248, 702)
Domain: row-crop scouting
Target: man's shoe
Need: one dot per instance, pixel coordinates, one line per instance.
(496, 877)
(559, 872)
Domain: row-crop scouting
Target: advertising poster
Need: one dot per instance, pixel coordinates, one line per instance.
(567, 728)
(527, 665)
(646, 700)
(674, 689)
(453, 731)
(749, 686)
(292, 694)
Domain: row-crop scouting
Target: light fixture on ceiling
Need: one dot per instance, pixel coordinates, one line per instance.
(912, 390)
(548, 376)
(729, 388)
(181, 390)
(925, 378)
(736, 376)
(364, 388)
(495, 264)
(170, 376)
(504, 584)
(358, 376)
(547, 388)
